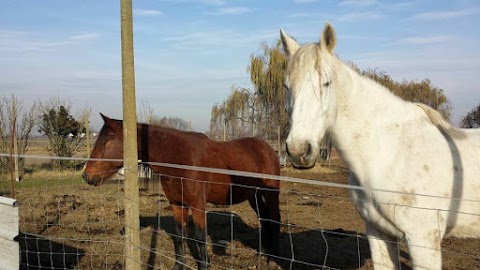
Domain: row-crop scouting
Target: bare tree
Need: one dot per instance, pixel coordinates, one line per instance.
(145, 112)
(11, 108)
(171, 122)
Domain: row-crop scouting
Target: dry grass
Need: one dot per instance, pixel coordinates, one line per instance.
(66, 224)
(38, 147)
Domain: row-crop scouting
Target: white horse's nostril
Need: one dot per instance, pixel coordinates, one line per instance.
(308, 153)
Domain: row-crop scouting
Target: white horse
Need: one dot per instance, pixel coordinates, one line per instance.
(432, 168)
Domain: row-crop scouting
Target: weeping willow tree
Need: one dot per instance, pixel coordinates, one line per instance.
(235, 114)
(267, 72)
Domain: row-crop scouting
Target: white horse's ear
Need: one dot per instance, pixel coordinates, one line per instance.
(328, 40)
(289, 44)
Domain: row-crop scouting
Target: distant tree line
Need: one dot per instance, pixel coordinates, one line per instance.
(146, 115)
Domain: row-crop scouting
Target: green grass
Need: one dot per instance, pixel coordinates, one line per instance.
(40, 180)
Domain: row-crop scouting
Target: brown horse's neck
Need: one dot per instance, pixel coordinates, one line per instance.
(143, 131)
(166, 142)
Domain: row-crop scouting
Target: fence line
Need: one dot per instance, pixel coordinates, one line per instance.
(327, 240)
(252, 174)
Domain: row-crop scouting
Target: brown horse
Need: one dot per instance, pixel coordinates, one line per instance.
(193, 189)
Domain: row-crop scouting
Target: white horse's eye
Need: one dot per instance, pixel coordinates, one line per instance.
(326, 84)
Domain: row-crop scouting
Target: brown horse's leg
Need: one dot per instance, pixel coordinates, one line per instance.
(180, 216)
(266, 205)
(199, 220)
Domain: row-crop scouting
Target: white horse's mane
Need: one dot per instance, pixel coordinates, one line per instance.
(437, 120)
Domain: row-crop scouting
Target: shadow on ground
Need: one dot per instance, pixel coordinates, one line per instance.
(42, 253)
(299, 248)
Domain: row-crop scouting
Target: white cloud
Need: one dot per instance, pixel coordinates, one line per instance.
(16, 41)
(215, 2)
(84, 36)
(231, 11)
(422, 40)
(212, 41)
(304, 1)
(441, 15)
(401, 5)
(356, 16)
(300, 15)
(357, 3)
(147, 12)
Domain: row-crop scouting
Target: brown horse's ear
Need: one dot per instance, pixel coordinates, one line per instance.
(105, 118)
(113, 124)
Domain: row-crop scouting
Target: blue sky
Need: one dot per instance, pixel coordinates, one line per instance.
(188, 53)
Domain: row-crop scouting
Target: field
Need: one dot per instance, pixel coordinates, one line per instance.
(66, 224)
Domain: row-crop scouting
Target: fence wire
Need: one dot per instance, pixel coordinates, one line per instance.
(67, 224)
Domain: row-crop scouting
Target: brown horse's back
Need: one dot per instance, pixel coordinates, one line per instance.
(256, 156)
(245, 154)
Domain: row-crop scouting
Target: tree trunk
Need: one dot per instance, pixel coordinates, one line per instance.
(224, 131)
(87, 133)
(279, 141)
(15, 152)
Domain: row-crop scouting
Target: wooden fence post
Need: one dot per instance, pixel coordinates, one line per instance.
(130, 154)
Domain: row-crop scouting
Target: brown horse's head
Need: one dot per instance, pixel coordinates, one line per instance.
(109, 145)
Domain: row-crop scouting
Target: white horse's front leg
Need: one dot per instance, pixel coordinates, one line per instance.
(422, 230)
(425, 249)
(383, 249)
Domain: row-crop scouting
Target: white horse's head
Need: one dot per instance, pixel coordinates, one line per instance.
(310, 82)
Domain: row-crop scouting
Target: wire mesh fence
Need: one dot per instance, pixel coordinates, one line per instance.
(67, 224)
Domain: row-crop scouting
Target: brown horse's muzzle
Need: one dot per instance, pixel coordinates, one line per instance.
(94, 180)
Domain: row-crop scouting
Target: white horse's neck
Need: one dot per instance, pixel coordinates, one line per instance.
(365, 112)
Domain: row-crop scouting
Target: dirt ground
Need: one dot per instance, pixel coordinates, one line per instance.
(76, 226)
